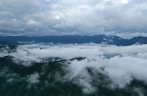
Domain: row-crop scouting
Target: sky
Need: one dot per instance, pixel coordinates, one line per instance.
(125, 18)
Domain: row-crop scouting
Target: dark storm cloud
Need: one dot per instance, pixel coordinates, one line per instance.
(61, 17)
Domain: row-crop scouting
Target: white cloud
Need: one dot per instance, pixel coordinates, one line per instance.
(33, 78)
(83, 16)
(33, 22)
(56, 17)
(120, 64)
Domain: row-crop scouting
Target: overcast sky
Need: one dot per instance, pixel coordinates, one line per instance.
(125, 18)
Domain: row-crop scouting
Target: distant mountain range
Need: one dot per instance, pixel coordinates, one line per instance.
(99, 39)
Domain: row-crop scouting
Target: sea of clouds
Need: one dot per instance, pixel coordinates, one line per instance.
(121, 64)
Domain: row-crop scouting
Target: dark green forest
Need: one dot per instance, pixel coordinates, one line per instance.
(13, 81)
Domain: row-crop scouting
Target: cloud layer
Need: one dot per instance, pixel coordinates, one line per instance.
(64, 17)
(120, 64)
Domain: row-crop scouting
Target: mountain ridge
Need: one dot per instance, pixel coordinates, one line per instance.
(67, 39)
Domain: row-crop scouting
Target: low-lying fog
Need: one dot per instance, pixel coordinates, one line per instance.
(121, 64)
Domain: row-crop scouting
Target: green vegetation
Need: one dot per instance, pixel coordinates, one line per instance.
(14, 81)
